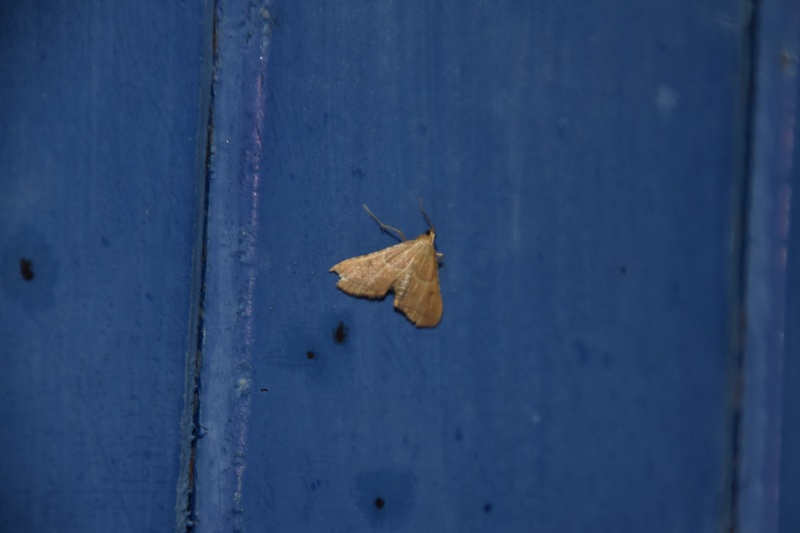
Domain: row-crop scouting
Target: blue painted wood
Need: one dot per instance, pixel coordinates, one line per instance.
(770, 434)
(100, 108)
(789, 431)
(582, 166)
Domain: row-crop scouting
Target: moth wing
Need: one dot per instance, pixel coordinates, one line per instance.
(417, 292)
(372, 275)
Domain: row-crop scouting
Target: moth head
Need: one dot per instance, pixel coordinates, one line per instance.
(431, 233)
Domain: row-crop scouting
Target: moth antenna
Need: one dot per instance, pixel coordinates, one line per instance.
(383, 226)
(427, 218)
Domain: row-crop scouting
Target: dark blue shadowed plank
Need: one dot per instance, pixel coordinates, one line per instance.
(100, 108)
(769, 450)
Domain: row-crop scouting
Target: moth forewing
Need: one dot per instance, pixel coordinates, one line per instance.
(373, 275)
(418, 295)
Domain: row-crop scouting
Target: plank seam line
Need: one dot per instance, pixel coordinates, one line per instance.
(191, 429)
(741, 222)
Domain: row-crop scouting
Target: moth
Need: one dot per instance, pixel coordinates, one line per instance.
(409, 269)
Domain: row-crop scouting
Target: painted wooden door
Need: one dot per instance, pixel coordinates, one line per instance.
(611, 189)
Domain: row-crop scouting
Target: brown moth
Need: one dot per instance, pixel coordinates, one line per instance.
(409, 269)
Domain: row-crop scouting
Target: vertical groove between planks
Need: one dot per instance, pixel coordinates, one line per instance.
(189, 424)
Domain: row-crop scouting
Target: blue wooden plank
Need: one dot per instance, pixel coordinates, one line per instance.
(770, 442)
(789, 433)
(100, 107)
(580, 164)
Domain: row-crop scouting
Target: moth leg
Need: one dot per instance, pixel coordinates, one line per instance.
(439, 256)
(383, 226)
